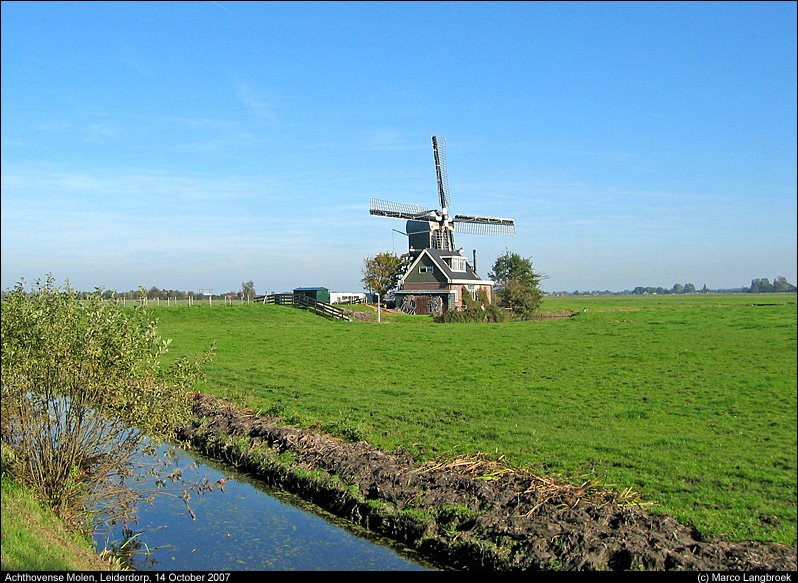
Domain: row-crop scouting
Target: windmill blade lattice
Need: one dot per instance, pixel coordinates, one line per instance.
(398, 210)
(476, 225)
(439, 150)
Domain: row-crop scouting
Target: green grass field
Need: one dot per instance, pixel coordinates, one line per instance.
(688, 400)
(34, 539)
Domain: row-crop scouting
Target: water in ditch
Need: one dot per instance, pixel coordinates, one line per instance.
(246, 527)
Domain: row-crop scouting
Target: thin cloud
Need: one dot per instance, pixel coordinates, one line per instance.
(217, 144)
(102, 133)
(262, 106)
(57, 185)
(393, 140)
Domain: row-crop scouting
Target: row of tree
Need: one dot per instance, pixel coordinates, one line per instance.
(763, 286)
(780, 284)
(677, 288)
(247, 291)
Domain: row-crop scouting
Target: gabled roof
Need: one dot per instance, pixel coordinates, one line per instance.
(439, 257)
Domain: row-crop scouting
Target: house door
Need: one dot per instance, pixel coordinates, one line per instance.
(433, 305)
(422, 304)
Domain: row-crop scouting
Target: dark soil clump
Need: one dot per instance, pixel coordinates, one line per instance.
(471, 513)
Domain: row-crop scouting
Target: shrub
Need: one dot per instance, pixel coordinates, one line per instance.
(82, 388)
(476, 310)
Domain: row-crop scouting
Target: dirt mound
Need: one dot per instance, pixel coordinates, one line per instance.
(471, 513)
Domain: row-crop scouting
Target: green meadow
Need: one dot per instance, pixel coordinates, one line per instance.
(689, 401)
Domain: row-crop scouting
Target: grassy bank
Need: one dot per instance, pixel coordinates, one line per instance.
(688, 400)
(34, 539)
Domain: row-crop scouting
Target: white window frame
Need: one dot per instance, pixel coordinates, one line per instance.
(458, 264)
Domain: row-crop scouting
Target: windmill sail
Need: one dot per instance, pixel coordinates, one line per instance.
(398, 210)
(439, 151)
(438, 227)
(475, 225)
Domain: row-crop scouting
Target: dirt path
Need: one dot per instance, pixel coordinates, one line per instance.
(470, 513)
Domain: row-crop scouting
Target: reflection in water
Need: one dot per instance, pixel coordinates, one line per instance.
(244, 528)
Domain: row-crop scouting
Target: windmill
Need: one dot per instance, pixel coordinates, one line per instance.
(434, 228)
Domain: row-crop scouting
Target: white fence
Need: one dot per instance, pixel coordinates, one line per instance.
(188, 301)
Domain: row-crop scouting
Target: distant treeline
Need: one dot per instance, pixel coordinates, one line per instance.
(246, 293)
(163, 294)
(763, 286)
(154, 293)
(759, 286)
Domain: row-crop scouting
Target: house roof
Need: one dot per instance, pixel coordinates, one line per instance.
(439, 257)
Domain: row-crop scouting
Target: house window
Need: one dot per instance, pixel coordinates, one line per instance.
(426, 269)
(458, 264)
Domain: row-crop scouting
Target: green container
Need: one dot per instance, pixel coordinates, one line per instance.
(320, 294)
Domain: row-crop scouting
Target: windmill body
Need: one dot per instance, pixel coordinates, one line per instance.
(438, 276)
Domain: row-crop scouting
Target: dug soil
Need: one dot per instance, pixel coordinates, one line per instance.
(471, 513)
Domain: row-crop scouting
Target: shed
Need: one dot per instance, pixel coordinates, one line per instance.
(320, 294)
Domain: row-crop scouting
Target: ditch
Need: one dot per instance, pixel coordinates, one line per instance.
(244, 527)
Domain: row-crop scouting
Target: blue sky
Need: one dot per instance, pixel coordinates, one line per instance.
(199, 145)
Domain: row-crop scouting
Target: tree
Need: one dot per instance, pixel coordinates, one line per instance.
(677, 288)
(82, 390)
(517, 284)
(382, 272)
(761, 286)
(248, 290)
(780, 284)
